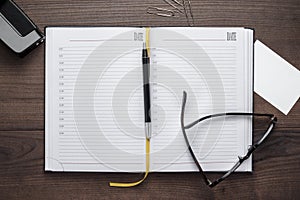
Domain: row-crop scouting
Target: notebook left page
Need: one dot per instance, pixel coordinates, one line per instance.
(94, 100)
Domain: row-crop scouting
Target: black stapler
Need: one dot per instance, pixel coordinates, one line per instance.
(17, 31)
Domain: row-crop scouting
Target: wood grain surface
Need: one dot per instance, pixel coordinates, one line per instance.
(276, 164)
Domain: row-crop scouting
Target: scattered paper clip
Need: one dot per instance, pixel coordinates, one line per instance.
(179, 8)
(177, 2)
(191, 12)
(161, 12)
(173, 6)
(188, 12)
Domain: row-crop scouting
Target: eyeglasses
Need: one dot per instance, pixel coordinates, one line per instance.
(241, 159)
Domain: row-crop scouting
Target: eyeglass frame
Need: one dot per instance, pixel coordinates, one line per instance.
(241, 159)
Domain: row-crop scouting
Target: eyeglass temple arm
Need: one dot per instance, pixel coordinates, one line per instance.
(207, 181)
(226, 114)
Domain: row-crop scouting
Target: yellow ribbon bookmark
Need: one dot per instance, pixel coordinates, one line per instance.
(148, 40)
(146, 173)
(147, 140)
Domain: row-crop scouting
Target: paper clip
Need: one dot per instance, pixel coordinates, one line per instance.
(188, 12)
(173, 6)
(161, 12)
(191, 12)
(177, 2)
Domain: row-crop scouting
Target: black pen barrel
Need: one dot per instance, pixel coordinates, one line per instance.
(146, 88)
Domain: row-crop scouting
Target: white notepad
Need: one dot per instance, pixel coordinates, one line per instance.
(94, 98)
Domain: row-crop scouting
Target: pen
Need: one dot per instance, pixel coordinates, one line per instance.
(146, 88)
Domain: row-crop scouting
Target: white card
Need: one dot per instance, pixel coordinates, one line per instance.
(275, 80)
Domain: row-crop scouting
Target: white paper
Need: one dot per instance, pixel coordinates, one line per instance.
(276, 80)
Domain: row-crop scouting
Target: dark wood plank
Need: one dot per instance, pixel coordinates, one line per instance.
(22, 164)
(276, 164)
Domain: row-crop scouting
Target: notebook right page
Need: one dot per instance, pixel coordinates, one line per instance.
(214, 66)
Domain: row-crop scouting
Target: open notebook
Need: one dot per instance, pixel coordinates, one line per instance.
(94, 98)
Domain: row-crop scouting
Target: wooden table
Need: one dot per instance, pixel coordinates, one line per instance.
(276, 164)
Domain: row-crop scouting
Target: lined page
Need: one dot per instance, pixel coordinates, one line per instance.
(94, 102)
(212, 66)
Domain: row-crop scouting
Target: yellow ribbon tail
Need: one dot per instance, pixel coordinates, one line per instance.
(148, 40)
(112, 184)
